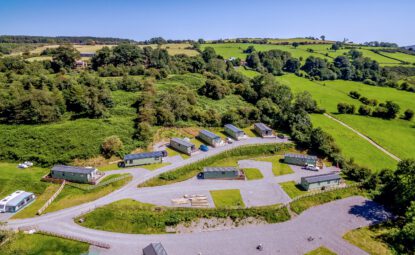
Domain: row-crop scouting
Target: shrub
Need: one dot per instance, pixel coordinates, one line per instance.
(111, 146)
(365, 110)
(369, 82)
(408, 114)
(345, 108)
(354, 94)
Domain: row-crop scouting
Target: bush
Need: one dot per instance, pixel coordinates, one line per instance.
(346, 108)
(354, 94)
(408, 114)
(369, 82)
(111, 146)
(365, 110)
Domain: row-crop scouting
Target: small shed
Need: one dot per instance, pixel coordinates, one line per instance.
(144, 158)
(210, 138)
(263, 130)
(16, 201)
(224, 173)
(154, 249)
(182, 146)
(320, 181)
(75, 173)
(300, 159)
(234, 132)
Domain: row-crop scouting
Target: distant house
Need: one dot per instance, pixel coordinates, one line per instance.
(210, 138)
(143, 158)
(320, 181)
(75, 173)
(154, 249)
(300, 159)
(80, 64)
(234, 132)
(16, 201)
(182, 146)
(87, 54)
(263, 130)
(223, 173)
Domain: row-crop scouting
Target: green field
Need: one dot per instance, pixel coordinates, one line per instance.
(230, 198)
(369, 240)
(41, 244)
(292, 189)
(320, 251)
(353, 146)
(253, 173)
(401, 56)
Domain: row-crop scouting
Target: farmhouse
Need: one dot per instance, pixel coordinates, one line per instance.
(263, 130)
(143, 158)
(224, 173)
(320, 181)
(300, 159)
(210, 138)
(234, 132)
(154, 249)
(76, 174)
(16, 201)
(182, 146)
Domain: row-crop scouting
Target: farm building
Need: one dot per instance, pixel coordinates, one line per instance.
(154, 249)
(210, 138)
(300, 159)
(227, 173)
(182, 146)
(16, 201)
(320, 181)
(263, 130)
(75, 173)
(234, 132)
(143, 158)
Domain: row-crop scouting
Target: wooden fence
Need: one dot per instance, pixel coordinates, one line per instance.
(79, 239)
(41, 210)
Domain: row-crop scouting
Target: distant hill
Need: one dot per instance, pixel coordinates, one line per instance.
(61, 39)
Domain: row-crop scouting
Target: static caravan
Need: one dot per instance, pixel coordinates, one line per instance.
(210, 138)
(154, 249)
(143, 158)
(75, 173)
(263, 130)
(234, 132)
(223, 173)
(16, 201)
(320, 181)
(300, 159)
(182, 146)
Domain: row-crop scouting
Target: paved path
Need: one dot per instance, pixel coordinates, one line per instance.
(364, 137)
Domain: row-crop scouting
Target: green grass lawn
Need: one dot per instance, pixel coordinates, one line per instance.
(229, 198)
(253, 173)
(71, 196)
(304, 203)
(13, 179)
(152, 167)
(133, 217)
(292, 189)
(278, 167)
(354, 146)
(368, 239)
(321, 251)
(41, 244)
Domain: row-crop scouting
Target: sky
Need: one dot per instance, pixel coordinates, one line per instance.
(356, 20)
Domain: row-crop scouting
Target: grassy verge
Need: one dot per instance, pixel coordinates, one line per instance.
(130, 216)
(369, 239)
(230, 198)
(71, 196)
(304, 203)
(320, 251)
(292, 189)
(278, 167)
(253, 173)
(186, 172)
(152, 167)
(42, 244)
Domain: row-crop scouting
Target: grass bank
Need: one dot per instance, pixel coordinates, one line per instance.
(189, 171)
(320, 251)
(130, 216)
